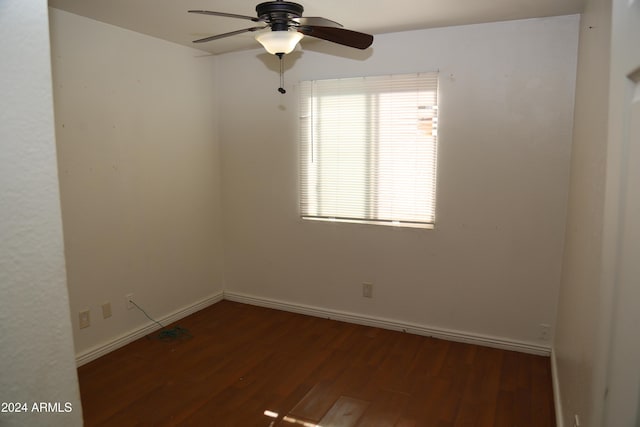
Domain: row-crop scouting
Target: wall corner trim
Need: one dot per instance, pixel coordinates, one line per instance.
(557, 397)
(450, 335)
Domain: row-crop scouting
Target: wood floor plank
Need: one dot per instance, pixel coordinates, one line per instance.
(393, 371)
(404, 422)
(317, 402)
(480, 395)
(385, 409)
(346, 412)
(250, 366)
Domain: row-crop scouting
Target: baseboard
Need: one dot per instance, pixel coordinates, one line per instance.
(101, 350)
(360, 319)
(557, 397)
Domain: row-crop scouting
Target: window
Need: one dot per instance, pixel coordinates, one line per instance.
(368, 149)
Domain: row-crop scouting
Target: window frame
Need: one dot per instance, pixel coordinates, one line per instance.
(426, 86)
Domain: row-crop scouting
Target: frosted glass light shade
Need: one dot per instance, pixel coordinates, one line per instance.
(276, 42)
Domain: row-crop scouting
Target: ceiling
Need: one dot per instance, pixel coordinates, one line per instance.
(169, 20)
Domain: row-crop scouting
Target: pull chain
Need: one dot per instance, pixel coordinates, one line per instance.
(281, 88)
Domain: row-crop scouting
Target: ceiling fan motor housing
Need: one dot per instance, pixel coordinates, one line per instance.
(279, 13)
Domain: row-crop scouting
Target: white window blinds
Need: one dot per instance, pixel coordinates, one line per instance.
(368, 149)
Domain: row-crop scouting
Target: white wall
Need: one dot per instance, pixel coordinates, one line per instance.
(139, 173)
(492, 266)
(621, 247)
(581, 320)
(36, 345)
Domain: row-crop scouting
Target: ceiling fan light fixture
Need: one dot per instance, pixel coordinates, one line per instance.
(279, 42)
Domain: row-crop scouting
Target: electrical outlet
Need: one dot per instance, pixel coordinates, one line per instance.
(543, 331)
(129, 298)
(85, 319)
(367, 290)
(106, 310)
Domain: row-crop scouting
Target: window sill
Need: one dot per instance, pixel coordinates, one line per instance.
(396, 224)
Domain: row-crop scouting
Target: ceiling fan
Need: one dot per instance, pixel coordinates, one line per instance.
(288, 27)
(287, 24)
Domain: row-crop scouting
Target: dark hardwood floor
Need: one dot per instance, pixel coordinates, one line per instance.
(252, 366)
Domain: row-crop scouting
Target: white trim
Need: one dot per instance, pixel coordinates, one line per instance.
(360, 319)
(343, 316)
(557, 398)
(103, 349)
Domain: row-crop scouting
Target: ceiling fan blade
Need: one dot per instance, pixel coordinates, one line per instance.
(317, 22)
(227, 15)
(338, 35)
(232, 33)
